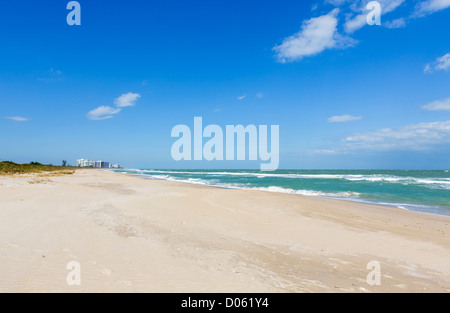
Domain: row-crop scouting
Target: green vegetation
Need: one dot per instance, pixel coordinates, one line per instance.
(34, 167)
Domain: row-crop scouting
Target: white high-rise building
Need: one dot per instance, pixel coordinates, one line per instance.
(95, 164)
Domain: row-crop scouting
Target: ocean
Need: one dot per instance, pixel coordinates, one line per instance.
(416, 190)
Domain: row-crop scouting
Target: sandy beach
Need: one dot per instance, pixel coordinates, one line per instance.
(131, 234)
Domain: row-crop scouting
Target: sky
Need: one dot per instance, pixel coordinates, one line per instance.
(345, 94)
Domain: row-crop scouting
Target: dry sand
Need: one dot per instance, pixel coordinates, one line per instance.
(130, 234)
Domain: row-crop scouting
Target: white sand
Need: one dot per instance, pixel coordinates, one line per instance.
(131, 234)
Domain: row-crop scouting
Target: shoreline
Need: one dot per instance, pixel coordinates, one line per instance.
(361, 201)
(133, 234)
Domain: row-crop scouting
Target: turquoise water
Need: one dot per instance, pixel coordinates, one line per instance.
(423, 191)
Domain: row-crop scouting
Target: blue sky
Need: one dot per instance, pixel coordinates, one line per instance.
(345, 94)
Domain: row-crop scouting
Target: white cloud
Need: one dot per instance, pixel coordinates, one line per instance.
(355, 22)
(397, 23)
(321, 33)
(127, 100)
(17, 118)
(105, 112)
(102, 113)
(422, 136)
(390, 5)
(316, 35)
(259, 95)
(438, 105)
(343, 118)
(441, 64)
(430, 6)
(356, 11)
(242, 97)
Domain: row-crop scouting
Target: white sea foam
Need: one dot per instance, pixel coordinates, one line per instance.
(312, 193)
(215, 183)
(443, 183)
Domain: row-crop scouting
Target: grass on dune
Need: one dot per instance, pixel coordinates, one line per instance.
(9, 168)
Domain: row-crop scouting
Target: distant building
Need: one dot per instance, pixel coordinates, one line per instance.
(95, 164)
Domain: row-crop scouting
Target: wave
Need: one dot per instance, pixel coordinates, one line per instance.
(312, 193)
(443, 183)
(241, 186)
